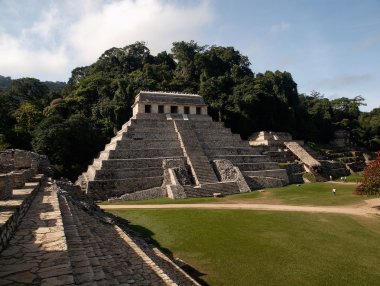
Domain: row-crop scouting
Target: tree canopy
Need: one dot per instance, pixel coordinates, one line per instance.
(71, 123)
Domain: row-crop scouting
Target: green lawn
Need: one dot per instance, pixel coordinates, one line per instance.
(305, 194)
(356, 177)
(236, 247)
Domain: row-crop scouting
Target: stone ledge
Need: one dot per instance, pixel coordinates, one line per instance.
(12, 211)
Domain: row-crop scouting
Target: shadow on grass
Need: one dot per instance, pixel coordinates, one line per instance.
(147, 235)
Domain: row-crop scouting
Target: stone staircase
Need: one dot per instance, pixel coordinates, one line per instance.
(132, 161)
(302, 154)
(202, 171)
(219, 143)
(65, 241)
(200, 165)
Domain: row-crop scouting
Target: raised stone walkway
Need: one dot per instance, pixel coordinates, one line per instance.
(58, 243)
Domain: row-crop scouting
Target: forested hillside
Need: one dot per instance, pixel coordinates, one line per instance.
(71, 123)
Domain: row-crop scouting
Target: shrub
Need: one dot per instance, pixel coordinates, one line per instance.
(371, 181)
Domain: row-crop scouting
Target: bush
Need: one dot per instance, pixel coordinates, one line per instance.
(371, 181)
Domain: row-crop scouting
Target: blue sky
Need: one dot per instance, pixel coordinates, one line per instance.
(329, 46)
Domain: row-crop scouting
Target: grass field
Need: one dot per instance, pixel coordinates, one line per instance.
(356, 177)
(305, 194)
(236, 247)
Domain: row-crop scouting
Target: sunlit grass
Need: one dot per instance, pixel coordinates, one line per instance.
(304, 194)
(235, 247)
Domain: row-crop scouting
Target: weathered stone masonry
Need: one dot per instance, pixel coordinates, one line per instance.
(175, 126)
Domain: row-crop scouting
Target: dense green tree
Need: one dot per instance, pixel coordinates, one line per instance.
(71, 123)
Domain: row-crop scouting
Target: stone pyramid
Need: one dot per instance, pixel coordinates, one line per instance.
(171, 147)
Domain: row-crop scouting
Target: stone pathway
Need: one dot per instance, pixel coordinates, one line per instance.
(361, 211)
(58, 243)
(37, 254)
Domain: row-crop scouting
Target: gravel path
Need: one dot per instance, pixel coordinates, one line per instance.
(366, 210)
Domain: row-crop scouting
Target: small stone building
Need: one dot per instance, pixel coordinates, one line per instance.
(176, 103)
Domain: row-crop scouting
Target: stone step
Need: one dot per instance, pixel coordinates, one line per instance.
(150, 116)
(265, 182)
(82, 249)
(103, 189)
(198, 117)
(257, 166)
(128, 173)
(208, 124)
(135, 163)
(144, 153)
(116, 138)
(149, 123)
(215, 130)
(236, 159)
(149, 135)
(212, 152)
(217, 143)
(142, 129)
(104, 155)
(275, 173)
(104, 255)
(221, 137)
(136, 144)
(207, 190)
(111, 146)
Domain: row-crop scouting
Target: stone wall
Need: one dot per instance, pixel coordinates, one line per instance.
(153, 193)
(15, 159)
(295, 172)
(9, 227)
(226, 172)
(6, 186)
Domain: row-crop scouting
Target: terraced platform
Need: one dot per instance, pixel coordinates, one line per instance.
(133, 160)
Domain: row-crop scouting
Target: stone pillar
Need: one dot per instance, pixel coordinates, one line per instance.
(6, 186)
(154, 108)
(18, 179)
(166, 109)
(193, 110)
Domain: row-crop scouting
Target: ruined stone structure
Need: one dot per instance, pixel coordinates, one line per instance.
(52, 234)
(341, 138)
(273, 145)
(281, 148)
(171, 147)
(18, 167)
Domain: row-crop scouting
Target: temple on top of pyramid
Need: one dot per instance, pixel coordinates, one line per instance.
(175, 103)
(172, 148)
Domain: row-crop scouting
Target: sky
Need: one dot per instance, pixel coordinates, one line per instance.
(330, 46)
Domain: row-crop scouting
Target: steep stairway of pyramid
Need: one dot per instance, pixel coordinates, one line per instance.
(302, 154)
(132, 161)
(198, 161)
(202, 170)
(219, 143)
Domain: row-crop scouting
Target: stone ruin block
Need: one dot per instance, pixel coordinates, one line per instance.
(18, 178)
(6, 186)
(15, 159)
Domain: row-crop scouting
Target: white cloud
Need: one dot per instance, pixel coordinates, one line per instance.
(73, 33)
(283, 26)
(119, 23)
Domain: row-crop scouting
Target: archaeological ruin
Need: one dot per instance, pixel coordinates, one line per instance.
(172, 148)
(52, 234)
(299, 158)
